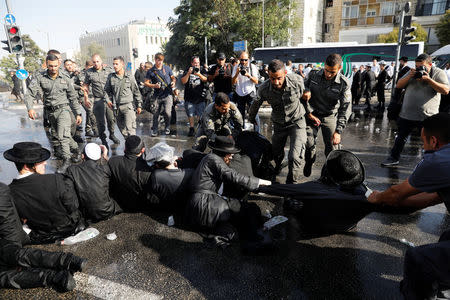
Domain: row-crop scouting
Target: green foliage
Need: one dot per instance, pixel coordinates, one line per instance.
(392, 37)
(223, 22)
(87, 52)
(33, 59)
(443, 29)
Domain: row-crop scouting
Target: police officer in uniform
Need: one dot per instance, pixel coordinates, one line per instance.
(283, 92)
(221, 117)
(96, 78)
(329, 97)
(121, 89)
(86, 99)
(58, 92)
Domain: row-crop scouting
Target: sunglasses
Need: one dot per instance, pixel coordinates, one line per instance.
(244, 59)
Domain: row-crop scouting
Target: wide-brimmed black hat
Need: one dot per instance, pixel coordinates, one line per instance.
(344, 168)
(224, 144)
(27, 153)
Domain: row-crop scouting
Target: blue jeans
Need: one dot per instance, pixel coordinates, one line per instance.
(194, 109)
(405, 127)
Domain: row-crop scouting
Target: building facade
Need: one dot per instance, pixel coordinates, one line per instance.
(364, 20)
(310, 14)
(146, 36)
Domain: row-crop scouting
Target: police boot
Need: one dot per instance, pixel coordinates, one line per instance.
(76, 158)
(64, 166)
(309, 161)
(61, 281)
(113, 138)
(77, 138)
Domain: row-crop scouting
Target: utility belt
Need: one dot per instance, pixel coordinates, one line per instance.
(323, 115)
(54, 108)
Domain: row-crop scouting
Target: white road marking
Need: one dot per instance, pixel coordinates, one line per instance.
(168, 139)
(106, 289)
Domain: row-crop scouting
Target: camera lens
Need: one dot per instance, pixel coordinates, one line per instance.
(196, 70)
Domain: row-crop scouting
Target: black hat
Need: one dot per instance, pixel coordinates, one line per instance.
(221, 55)
(27, 153)
(404, 58)
(133, 144)
(344, 168)
(223, 144)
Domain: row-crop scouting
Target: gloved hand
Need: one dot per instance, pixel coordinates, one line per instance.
(264, 182)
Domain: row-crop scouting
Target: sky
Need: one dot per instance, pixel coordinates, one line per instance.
(65, 20)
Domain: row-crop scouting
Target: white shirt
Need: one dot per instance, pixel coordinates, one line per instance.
(244, 85)
(20, 176)
(447, 71)
(307, 70)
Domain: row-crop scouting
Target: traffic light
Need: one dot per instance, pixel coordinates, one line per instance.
(407, 30)
(135, 53)
(14, 42)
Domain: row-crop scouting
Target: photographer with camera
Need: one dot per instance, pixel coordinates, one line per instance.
(220, 74)
(195, 91)
(423, 88)
(245, 77)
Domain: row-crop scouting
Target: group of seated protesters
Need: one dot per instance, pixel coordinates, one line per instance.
(55, 206)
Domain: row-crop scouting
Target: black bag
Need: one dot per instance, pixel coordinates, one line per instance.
(150, 103)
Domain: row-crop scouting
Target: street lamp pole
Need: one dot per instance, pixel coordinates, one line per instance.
(262, 35)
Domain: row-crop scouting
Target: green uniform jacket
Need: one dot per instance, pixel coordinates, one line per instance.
(287, 106)
(329, 97)
(55, 92)
(122, 90)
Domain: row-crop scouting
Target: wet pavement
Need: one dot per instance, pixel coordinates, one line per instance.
(150, 260)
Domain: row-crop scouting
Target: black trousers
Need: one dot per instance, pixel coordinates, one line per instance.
(28, 267)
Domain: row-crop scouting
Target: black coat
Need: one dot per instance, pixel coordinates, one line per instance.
(206, 207)
(382, 78)
(49, 204)
(130, 181)
(172, 187)
(10, 225)
(403, 72)
(357, 79)
(369, 80)
(91, 181)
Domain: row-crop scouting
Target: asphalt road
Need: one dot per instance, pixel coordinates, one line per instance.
(150, 260)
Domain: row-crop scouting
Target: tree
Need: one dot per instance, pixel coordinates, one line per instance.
(392, 37)
(443, 29)
(34, 57)
(222, 22)
(86, 53)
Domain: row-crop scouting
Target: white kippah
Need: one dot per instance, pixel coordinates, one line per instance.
(93, 151)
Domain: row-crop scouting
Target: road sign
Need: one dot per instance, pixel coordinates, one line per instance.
(129, 66)
(22, 74)
(240, 46)
(10, 19)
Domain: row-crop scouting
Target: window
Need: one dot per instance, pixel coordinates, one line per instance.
(329, 3)
(387, 9)
(118, 41)
(371, 13)
(350, 12)
(345, 23)
(327, 27)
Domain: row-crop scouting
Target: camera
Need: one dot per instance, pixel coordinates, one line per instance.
(420, 71)
(242, 69)
(221, 71)
(196, 70)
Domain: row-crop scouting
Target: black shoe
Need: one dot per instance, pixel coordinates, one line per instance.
(65, 165)
(90, 133)
(78, 139)
(113, 138)
(191, 131)
(389, 162)
(75, 263)
(63, 281)
(280, 167)
(307, 169)
(76, 158)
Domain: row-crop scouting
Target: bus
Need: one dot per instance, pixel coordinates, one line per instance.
(441, 57)
(352, 53)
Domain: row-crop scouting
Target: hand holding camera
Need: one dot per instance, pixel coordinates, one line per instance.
(243, 70)
(421, 73)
